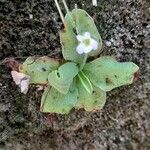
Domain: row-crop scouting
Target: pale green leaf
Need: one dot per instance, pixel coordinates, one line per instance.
(38, 68)
(106, 73)
(85, 82)
(83, 22)
(90, 102)
(62, 78)
(55, 102)
(78, 21)
(69, 44)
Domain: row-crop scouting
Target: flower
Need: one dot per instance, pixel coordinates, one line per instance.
(22, 80)
(86, 44)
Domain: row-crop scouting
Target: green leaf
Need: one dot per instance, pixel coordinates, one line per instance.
(106, 73)
(69, 44)
(38, 68)
(90, 102)
(78, 22)
(62, 78)
(84, 23)
(55, 102)
(85, 82)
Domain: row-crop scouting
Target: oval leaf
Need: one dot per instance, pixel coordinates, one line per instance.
(78, 21)
(85, 23)
(107, 74)
(69, 43)
(38, 68)
(55, 102)
(62, 78)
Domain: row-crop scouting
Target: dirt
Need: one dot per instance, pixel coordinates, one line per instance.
(31, 27)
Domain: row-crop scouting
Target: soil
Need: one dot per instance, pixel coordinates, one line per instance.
(31, 27)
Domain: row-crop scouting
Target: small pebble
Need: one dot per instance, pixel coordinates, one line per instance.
(30, 16)
(94, 2)
(108, 43)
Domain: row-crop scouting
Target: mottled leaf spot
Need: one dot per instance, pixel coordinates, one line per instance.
(95, 102)
(74, 30)
(58, 74)
(116, 76)
(108, 81)
(43, 69)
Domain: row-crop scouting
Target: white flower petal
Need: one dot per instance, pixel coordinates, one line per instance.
(80, 48)
(17, 76)
(94, 44)
(24, 85)
(79, 38)
(87, 35)
(87, 49)
(86, 44)
(22, 80)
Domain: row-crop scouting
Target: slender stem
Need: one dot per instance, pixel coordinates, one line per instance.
(84, 61)
(76, 7)
(68, 12)
(66, 7)
(60, 12)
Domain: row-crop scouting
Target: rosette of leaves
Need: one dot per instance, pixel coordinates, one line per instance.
(69, 86)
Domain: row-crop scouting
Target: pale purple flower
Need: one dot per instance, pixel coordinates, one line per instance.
(86, 44)
(22, 80)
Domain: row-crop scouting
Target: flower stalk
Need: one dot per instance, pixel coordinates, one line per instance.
(60, 12)
(84, 61)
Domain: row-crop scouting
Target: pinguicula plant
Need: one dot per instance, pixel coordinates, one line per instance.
(75, 82)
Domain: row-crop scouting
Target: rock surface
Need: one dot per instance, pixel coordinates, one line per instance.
(29, 28)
